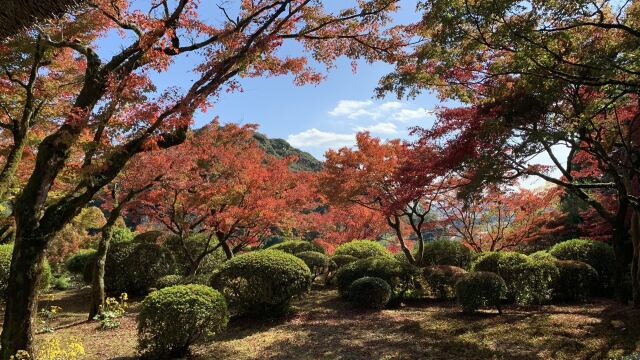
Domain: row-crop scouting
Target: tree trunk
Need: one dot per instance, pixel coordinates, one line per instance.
(22, 303)
(97, 281)
(635, 263)
(9, 170)
(623, 251)
(227, 250)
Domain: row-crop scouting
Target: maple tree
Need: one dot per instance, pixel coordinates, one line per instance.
(376, 175)
(495, 219)
(228, 189)
(335, 224)
(116, 111)
(535, 78)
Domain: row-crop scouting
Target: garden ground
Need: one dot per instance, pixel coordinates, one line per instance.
(324, 327)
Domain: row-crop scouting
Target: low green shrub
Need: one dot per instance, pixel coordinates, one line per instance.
(361, 249)
(508, 265)
(595, 253)
(398, 275)
(575, 281)
(168, 280)
(78, 262)
(61, 282)
(542, 256)
(533, 282)
(446, 252)
(297, 246)
(369, 293)
(342, 260)
(319, 263)
(441, 279)
(477, 289)
(134, 267)
(121, 233)
(262, 282)
(173, 280)
(175, 317)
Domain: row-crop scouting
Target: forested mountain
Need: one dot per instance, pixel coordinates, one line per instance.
(282, 148)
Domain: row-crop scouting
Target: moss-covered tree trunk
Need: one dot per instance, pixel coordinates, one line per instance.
(22, 302)
(11, 166)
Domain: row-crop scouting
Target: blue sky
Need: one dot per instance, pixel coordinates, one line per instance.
(312, 118)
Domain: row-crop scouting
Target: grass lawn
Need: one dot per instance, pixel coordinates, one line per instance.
(324, 327)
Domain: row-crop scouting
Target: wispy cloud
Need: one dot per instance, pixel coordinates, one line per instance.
(390, 110)
(353, 109)
(385, 128)
(406, 115)
(316, 138)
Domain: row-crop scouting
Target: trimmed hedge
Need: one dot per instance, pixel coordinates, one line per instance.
(595, 253)
(575, 281)
(542, 256)
(173, 318)
(361, 249)
(446, 252)
(369, 293)
(318, 263)
(342, 260)
(398, 275)
(478, 289)
(78, 262)
(262, 282)
(297, 246)
(173, 280)
(442, 279)
(135, 267)
(528, 281)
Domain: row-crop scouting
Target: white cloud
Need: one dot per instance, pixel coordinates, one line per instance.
(405, 115)
(391, 105)
(316, 138)
(380, 128)
(390, 110)
(353, 109)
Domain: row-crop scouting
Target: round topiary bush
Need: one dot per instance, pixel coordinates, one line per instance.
(398, 275)
(477, 289)
(135, 267)
(510, 266)
(77, 262)
(446, 252)
(575, 281)
(595, 253)
(542, 256)
(6, 253)
(168, 280)
(319, 263)
(369, 293)
(342, 260)
(262, 282)
(175, 317)
(297, 246)
(533, 282)
(361, 249)
(442, 279)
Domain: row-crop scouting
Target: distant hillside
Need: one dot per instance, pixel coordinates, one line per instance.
(281, 148)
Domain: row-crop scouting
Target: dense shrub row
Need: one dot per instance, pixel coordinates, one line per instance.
(297, 246)
(361, 249)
